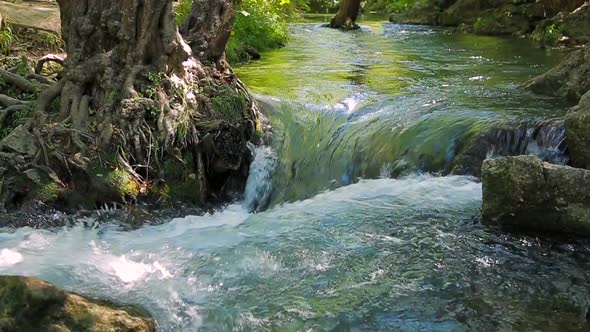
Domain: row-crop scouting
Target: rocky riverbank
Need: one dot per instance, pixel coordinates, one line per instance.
(564, 22)
(525, 193)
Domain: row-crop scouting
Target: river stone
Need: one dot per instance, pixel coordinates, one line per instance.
(570, 78)
(30, 304)
(523, 193)
(577, 127)
(20, 140)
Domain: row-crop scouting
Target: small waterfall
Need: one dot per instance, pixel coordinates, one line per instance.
(544, 139)
(259, 183)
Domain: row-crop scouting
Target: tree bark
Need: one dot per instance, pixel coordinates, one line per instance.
(208, 27)
(346, 16)
(134, 98)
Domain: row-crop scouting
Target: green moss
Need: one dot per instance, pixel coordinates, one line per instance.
(107, 185)
(181, 182)
(23, 305)
(484, 24)
(29, 304)
(123, 183)
(229, 105)
(48, 192)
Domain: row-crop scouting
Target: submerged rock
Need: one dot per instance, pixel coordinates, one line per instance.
(30, 304)
(523, 193)
(570, 79)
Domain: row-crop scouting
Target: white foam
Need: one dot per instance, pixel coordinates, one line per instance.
(129, 271)
(9, 257)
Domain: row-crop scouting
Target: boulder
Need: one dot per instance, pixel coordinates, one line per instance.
(577, 128)
(523, 193)
(30, 304)
(20, 140)
(570, 79)
(425, 12)
(567, 28)
(499, 18)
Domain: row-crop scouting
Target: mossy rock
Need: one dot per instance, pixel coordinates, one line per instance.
(48, 192)
(523, 193)
(30, 304)
(577, 127)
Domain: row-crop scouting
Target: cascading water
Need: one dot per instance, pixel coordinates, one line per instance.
(371, 253)
(397, 100)
(259, 183)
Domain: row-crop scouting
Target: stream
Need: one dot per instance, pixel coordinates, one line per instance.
(364, 222)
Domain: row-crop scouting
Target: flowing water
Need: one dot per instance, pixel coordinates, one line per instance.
(366, 230)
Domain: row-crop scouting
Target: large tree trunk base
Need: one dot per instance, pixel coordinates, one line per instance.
(345, 18)
(135, 117)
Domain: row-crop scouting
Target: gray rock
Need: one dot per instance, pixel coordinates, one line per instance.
(566, 28)
(523, 193)
(577, 127)
(20, 140)
(570, 79)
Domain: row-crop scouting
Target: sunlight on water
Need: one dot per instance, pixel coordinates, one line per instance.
(397, 100)
(344, 246)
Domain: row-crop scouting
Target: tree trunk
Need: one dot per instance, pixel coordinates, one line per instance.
(135, 102)
(208, 27)
(347, 15)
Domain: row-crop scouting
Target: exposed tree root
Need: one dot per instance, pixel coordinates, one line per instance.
(135, 114)
(7, 101)
(18, 81)
(46, 59)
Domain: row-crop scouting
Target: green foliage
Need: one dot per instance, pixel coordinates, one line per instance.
(484, 25)
(24, 67)
(259, 25)
(48, 40)
(550, 35)
(183, 9)
(398, 6)
(7, 39)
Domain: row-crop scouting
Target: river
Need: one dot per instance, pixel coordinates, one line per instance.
(367, 228)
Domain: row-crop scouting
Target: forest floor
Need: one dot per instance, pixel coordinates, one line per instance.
(36, 27)
(41, 15)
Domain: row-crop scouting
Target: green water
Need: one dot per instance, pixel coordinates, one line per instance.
(390, 100)
(385, 254)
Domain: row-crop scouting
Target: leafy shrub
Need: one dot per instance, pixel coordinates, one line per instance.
(183, 9)
(549, 35)
(7, 37)
(48, 40)
(259, 25)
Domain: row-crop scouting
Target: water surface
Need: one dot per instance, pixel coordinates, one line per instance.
(364, 233)
(395, 100)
